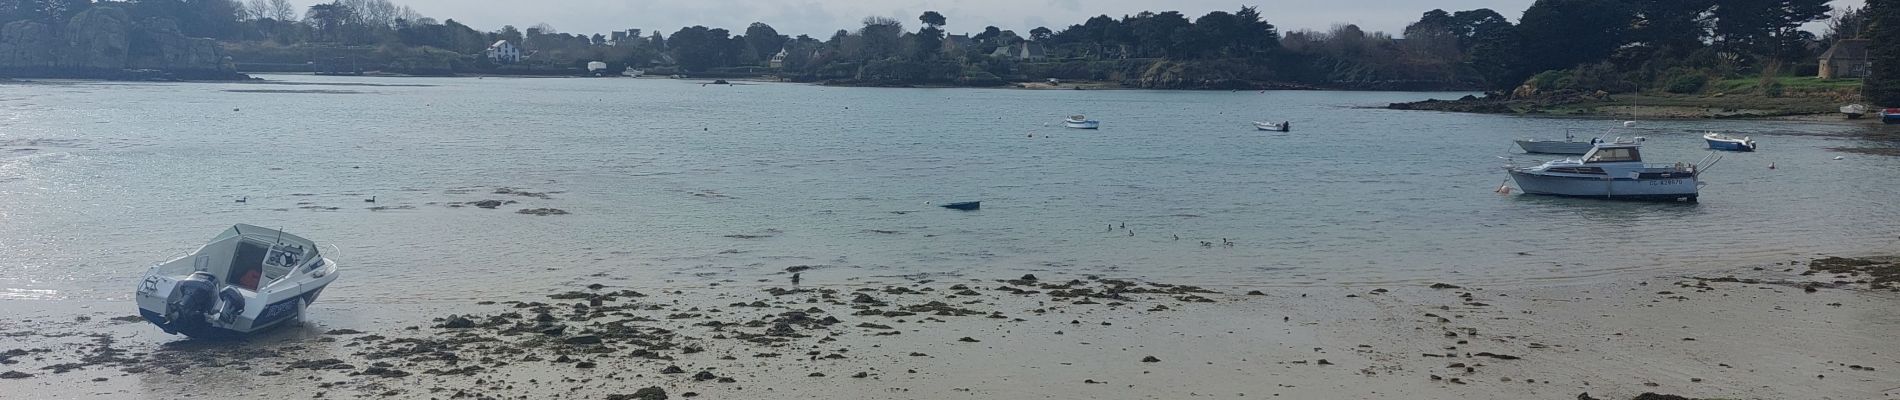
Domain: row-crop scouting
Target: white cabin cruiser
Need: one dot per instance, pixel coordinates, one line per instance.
(1611, 170)
(1081, 122)
(246, 280)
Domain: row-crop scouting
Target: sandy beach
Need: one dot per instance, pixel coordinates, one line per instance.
(1760, 332)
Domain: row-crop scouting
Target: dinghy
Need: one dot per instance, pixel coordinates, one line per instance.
(965, 206)
(246, 280)
(1854, 111)
(1729, 143)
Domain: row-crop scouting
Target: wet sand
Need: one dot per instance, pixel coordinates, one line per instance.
(1762, 332)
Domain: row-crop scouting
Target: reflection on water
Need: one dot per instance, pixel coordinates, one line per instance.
(671, 183)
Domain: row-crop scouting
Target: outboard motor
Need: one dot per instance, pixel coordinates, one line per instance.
(233, 305)
(189, 302)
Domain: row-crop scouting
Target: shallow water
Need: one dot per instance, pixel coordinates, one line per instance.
(671, 180)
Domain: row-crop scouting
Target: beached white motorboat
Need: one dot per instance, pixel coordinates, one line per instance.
(630, 72)
(1854, 111)
(246, 280)
(1282, 126)
(1080, 122)
(1611, 170)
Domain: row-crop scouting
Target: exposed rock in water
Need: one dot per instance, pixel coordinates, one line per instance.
(15, 375)
(649, 393)
(104, 43)
(542, 211)
(1150, 359)
(489, 204)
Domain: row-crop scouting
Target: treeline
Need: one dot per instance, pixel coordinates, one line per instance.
(1583, 45)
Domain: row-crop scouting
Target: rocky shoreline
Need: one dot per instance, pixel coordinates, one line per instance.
(99, 43)
(1648, 106)
(1083, 336)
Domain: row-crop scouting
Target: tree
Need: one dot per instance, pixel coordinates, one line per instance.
(1041, 33)
(1883, 20)
(328, 19)
(1566, 33)
(932, 19)
(1762, 27)
(880, 37)
(763, 41)
(510, 34)
(698, 48)
(1846, 23)
(1676, 26)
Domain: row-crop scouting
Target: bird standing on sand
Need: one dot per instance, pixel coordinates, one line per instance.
(795, 278)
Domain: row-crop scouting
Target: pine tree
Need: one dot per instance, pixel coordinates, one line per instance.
(1883, 86)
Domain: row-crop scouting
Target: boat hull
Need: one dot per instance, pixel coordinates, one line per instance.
(1682, 188)
(1555, 147)
(1890, 119)
(1083, 124)
(1271, 127)
(1727, 145)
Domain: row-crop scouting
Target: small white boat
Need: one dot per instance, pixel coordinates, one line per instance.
(633, 73)
(1080, 122)
(1719, 141)
(1282, 126)
(246, 280)
(1854, 111)
(1611, 170)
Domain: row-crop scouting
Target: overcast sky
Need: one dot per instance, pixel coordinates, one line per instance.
(820, 18)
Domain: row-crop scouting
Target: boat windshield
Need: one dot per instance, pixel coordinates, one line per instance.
(1614, 154)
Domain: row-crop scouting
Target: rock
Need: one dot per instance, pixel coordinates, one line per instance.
(456, 322)
(15, 375)
(343, 332)
(1585, 396)
(1256, 293)
(1446, 286)
(817, 375)
(649, 393)
(704, 376)
(968, 339)
(488, 204)
(542, 211)
(1150, 359)
(1323, 361)
(1497, 356)
(582, 339)
(672, 369)
(1654, 396)
(1028, 277)
(861, 374)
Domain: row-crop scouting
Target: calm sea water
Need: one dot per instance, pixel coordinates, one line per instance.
(98, 180)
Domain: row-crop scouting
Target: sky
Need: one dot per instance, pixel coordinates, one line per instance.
(820, 18)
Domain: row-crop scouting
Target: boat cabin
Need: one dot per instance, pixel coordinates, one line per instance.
(1615, 153)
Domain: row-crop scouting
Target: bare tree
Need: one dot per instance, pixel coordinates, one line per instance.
(257, 9)
(281, 10)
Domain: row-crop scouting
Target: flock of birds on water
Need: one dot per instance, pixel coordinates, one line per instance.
(1131, 233)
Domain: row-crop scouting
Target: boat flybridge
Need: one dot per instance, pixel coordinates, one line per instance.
(1613, 170)
(247, 279)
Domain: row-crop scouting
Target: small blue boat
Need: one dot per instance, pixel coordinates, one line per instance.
(1890, 116)
(1728, 143)
(965, 206)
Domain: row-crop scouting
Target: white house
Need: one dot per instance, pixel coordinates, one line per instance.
(503, 52)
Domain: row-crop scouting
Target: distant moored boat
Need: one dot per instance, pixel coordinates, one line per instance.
(1890, 116)
(1719, 141)
(1854, 111)
(1080, 122)
(1282, 126)
(965, 206)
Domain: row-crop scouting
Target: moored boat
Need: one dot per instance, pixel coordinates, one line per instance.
(1282, 126)
(245, 280)
(1611, 170)
(965, 206)
(1728, 143)
(1080, 122)
(1890, 116)
(1854, 111)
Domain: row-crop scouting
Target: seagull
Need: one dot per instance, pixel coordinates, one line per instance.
(244, 199)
